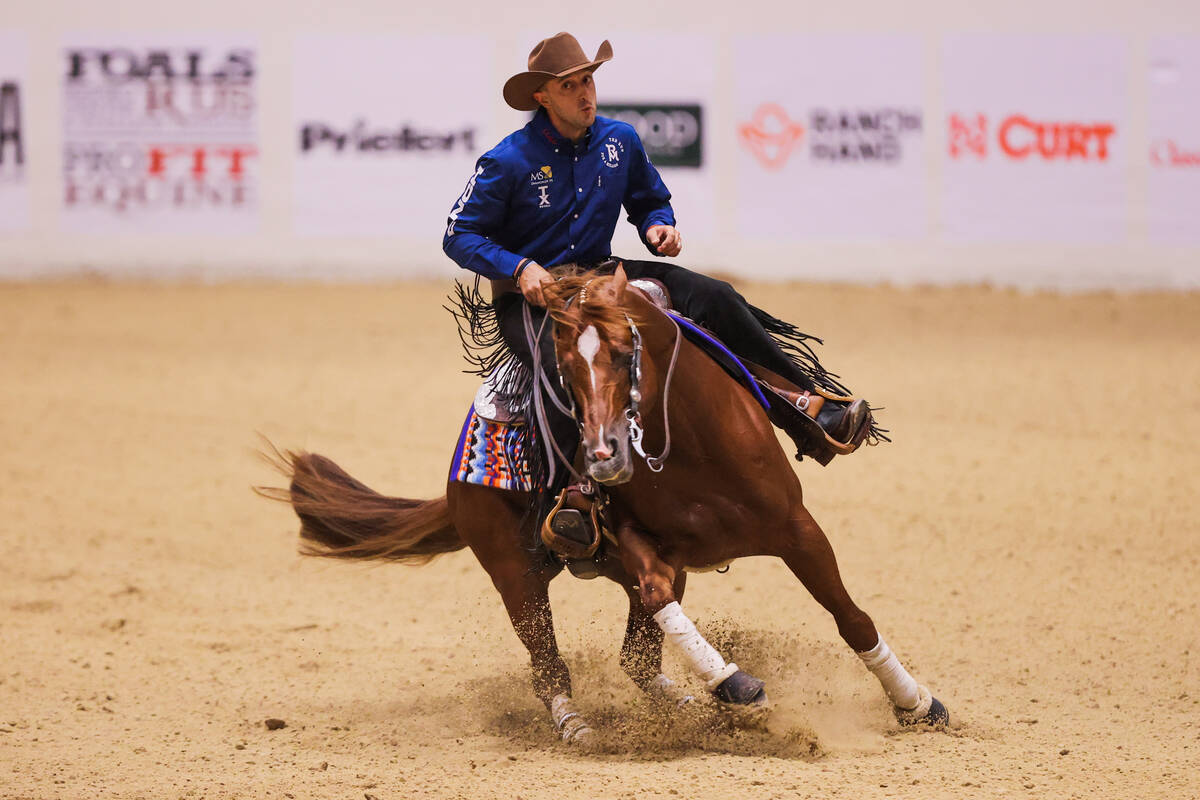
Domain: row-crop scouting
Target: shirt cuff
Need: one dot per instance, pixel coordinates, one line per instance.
(657, 218)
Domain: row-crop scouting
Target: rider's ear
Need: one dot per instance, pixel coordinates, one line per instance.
(620, 281)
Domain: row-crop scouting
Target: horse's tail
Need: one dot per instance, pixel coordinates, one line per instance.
(341, 517)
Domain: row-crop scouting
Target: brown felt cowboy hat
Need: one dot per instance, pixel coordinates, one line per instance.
(556, 57)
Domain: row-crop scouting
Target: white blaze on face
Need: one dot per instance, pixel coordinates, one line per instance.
(589, 345)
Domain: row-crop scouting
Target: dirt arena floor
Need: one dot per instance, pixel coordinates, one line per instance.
(1029, 545)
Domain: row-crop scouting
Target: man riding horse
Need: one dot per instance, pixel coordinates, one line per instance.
(551, 194)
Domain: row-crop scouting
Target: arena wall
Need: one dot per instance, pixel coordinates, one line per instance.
(1032, 144)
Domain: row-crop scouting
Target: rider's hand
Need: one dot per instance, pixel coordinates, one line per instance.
(665, 239)
(531, 281)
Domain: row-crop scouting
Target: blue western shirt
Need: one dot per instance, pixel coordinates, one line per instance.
(537, 195)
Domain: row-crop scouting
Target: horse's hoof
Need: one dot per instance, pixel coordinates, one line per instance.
(929, 711)
(575, 730)
(570, 726)
(741, 689)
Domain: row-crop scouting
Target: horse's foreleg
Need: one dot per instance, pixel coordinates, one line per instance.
(641, 651)
(812, 560)
(656, 590)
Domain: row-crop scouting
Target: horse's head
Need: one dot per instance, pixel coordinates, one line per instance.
(593, 339)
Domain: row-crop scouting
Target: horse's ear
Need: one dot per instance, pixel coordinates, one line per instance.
(620, 281)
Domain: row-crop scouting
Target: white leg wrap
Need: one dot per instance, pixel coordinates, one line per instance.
(681, 633)
(903, 691)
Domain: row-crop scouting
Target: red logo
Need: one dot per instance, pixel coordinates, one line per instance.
(968, 135)
(199, 160)
(1166, 153)
(771, 135)
(1020, 138)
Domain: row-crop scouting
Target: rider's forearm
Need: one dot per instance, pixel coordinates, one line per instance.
(479, 254)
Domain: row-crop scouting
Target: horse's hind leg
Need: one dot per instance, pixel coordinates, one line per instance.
(811, 558)
(528, 604)
(489, 521)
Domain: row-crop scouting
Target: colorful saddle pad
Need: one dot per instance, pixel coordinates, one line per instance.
(493, 454)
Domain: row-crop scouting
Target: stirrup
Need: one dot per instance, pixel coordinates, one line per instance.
(572, 533)
(811, 439)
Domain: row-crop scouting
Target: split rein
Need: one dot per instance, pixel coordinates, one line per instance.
(632, 412)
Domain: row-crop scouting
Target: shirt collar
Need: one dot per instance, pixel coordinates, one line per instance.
(545, 130)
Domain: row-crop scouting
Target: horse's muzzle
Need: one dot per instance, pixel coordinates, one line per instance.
(610, 464)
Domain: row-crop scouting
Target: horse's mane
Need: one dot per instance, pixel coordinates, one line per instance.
(569, 304)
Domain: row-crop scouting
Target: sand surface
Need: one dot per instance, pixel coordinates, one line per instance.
(1029, 545)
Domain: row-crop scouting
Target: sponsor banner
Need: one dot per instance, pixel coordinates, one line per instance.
(671, 117)
(672, 133)
(160, 134)
(1173, 130)
(831, 136)
(387, 129)
(14, 131)
(1035, 138)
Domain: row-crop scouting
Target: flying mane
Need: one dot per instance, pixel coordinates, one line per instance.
(588, 297)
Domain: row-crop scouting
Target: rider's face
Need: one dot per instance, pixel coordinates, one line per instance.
(570, 101)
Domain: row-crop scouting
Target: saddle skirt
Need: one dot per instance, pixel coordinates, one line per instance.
(490, 405)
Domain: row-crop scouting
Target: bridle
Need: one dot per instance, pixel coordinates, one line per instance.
(633, 414)
(632, 410)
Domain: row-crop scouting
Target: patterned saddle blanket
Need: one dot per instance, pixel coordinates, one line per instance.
(493, 453)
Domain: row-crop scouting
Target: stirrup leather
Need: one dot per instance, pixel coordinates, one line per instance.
(561, 523)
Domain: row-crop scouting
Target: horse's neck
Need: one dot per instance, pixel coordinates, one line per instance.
(711, 415)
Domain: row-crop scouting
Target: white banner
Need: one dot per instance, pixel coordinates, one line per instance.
(1173, 193)
(388, 128)
(1036, 135)
(830, 136)
(160, 133)
(14, 131)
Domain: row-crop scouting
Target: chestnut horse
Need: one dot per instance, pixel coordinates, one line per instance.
(720, 488)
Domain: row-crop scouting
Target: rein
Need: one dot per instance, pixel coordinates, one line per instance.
(636, 431)
(539, 407)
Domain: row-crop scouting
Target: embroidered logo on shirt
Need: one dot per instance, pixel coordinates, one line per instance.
(540, 180)
(611, 152)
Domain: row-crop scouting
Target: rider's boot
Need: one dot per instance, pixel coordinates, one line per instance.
(572, 529)
(831, 424)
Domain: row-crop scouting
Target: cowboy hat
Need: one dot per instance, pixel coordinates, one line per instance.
(556, 57)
